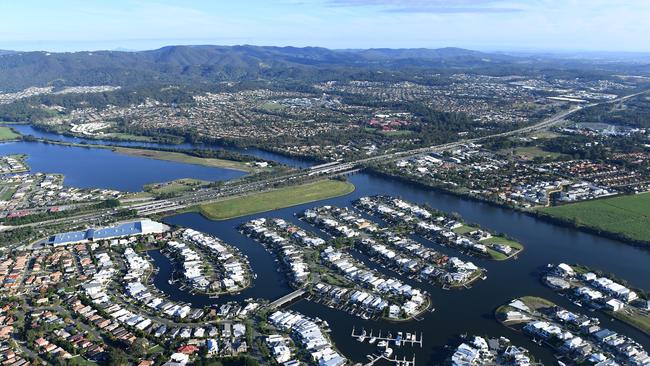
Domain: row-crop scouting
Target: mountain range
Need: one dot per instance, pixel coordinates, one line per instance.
(206, 63)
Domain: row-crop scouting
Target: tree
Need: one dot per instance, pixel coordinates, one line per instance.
(117, 357)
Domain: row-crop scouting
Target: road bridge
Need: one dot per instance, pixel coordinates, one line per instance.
(287, 298)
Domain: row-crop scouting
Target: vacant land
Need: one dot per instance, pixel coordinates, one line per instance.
(7, 133)
(272, 200)
(175, 187)
(503, 241)
(624, 216)
(633, 316)
(128, 137)
(185, 158)
(533, 302)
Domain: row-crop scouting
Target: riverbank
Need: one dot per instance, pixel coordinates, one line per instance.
(624, 217)
(180, 157)
(275, 199)
(641, 242)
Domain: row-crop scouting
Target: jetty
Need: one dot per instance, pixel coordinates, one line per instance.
(410, 339)
(403, 362)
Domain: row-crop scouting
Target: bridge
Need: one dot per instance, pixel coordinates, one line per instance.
(287, 298)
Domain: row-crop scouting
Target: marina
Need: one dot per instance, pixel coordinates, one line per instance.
(384, 345)
(400, 339)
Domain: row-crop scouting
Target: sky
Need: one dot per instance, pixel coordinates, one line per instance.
(489, 25)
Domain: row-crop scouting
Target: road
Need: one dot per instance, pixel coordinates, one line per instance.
(229, 190)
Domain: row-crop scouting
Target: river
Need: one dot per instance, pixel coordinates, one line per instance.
(262, 154)
(457, 312)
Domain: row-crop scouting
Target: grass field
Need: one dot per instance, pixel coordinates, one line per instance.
(7, 133)
(174, 187)
(530, 152)
(627, 216)
(272, 200)
(464, 229)
(7, 191)
(185, 158)
(389, 133)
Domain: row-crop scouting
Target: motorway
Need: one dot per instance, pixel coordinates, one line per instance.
(235, 188)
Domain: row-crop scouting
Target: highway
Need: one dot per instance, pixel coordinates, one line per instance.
(234, 189)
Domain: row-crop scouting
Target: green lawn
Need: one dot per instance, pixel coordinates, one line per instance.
(7, 133)
(465, 229)
(272, 200)
(624, 215)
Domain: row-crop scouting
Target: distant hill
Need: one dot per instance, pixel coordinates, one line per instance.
(214, 63)
(205, 63)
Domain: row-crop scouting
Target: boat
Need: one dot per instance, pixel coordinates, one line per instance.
(388, 352)
(372, 340)
(382, 344)
(398, 340)
(362, 337)
(578, 303)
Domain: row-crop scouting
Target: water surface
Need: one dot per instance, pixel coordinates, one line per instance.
(457, 312)
(103, 168)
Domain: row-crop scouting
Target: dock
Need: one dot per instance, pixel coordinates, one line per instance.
(403, 362)
(411, 341)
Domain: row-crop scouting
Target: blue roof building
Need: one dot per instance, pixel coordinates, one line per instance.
(126, 229)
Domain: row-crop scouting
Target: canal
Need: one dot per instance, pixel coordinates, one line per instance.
(468, 311)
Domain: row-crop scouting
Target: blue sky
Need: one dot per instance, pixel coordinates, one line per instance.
(553, 25)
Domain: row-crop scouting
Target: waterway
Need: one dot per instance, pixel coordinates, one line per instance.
(262, 154)
(468, 311)
(104, 168)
